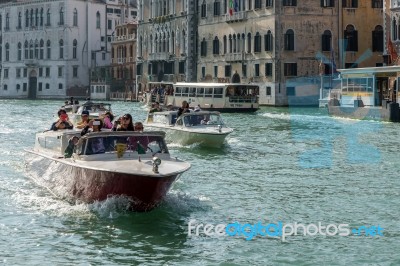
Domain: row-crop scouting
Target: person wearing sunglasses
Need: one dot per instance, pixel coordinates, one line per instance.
(84, 120)
(124, 123)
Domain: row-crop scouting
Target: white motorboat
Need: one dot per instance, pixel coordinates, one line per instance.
(204, 127)
(135, 164)
(96, 110)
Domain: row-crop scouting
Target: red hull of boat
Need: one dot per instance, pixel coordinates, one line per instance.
(89, 185)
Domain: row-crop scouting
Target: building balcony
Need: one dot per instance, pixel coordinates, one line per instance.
(236, 17)
(31, 62)
(234, 57)
(124, 38)
(162, 56)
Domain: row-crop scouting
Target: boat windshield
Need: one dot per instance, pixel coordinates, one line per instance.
(96, 107)
(202, 119)
(114, 144)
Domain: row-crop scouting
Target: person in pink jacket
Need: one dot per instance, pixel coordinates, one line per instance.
(107, 120)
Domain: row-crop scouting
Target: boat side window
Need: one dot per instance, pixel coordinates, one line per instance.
(218, 92)
(192, 92)
(200, 92)
(144, 144)
(185, 92)
(96, 146)
(230, 91)
(215, 120)
(178, 91)
(208, 92)
(156, 145)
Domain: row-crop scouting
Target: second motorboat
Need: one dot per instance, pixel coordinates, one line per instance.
(205, 127)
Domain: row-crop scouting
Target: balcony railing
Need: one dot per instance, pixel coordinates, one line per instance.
(123, 38)
(163, 56)
(236, 17)
(31, 62)
(234, 57)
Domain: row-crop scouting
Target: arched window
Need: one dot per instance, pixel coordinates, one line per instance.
(37, 17)
(239, 47)
(41, 17)
(48, 49)
(31, 49)
(61, 16)
(74, 49)
(268, 42)
(75, 19)
(289, 40)
(19, 51)
(19, 20)
(225, 44)
(7, 52)
(394, 29)
(351, 38)
(98, 20)
(203, 51)
(41, 54)
(7, 21)
(249, 42)
(26, 18)
(326, 41)
(36, 49)
(61, 49)
(377, 39)
(257, 43)
(216, 46)
(26, 50)
(230, 44)
(48, 18)
(32, 17)
(234, 43)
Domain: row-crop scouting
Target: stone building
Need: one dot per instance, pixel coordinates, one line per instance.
(50, 47)
(291, 48)
(123, 62)
(167, 41)
(284, 45)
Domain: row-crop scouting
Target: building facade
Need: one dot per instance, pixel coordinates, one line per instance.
(287, 47)
(104, 79)
(167, 41)
(290, 48)
(50, 47)
(123, 62)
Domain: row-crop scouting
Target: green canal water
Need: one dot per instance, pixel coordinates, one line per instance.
(280, 165)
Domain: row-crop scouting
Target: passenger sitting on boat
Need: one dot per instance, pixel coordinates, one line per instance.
(205, 120)
(71, 145)
(138, 127)
(84, 120)
(63, 121)
(124, 123)
(184, 108)
(94, 125)
(108, 117)
(156, 108)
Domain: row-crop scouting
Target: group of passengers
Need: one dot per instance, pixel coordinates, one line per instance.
(87, 125)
